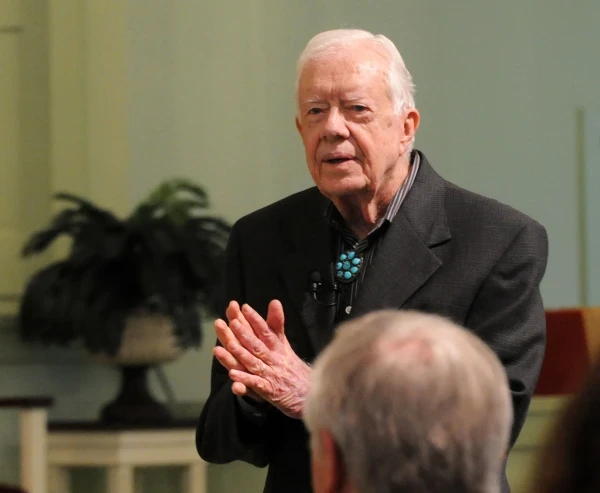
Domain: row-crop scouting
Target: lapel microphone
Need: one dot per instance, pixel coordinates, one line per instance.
(315, 286)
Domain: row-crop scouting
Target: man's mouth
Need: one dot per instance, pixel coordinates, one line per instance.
(338, 159)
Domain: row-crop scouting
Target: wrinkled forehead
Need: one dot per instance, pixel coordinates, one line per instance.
(345, 69)
(359, 53)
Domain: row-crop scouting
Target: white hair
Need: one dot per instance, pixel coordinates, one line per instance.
(414, 403)
(401, 87)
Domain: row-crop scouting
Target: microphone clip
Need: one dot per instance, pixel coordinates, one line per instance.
(315, 287)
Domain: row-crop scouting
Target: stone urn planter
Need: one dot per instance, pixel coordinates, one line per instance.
(131, 289)
(148, 340)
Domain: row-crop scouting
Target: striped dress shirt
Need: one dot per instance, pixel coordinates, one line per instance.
(344, 240)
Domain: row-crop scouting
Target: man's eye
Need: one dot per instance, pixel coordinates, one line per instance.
(358, 108)
(315, 111)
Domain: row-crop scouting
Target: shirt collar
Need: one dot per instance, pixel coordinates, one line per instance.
(336, 221)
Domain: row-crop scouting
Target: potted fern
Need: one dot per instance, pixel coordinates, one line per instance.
(131, 290)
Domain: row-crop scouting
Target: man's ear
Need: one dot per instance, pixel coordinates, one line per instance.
(411, 125)
(298, 126)
(333, 471)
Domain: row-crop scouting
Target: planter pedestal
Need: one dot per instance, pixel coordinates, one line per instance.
(148, 340)
(135, 404)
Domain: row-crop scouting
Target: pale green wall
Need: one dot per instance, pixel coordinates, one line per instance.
(498, 85)
(591, 200)
(210, 91)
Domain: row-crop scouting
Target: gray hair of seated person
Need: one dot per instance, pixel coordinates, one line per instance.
(325, 44)
(414, 403)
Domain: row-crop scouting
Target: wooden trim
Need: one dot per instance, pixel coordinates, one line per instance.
(89, 129)
(68, 130)
(134, 448)
(89, 151)
(98, 426)
(106, 78)
(4, 488)
(34, 438)
(26, 402)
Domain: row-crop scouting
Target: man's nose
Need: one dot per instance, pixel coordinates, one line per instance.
(335, 125)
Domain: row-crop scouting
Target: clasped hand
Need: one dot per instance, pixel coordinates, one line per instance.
(260, 360)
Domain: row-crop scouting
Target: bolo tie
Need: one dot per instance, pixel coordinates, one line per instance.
(348, 265)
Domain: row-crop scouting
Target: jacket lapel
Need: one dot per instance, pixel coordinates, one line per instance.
(308, 251)
(404, 260)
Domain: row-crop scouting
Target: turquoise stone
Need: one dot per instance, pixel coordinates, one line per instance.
(347, 266)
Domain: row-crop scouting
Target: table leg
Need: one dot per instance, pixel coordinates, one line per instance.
(58, 480)
(194, 480)
(120, 479)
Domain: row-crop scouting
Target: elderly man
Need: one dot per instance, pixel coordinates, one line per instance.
(407, 402)
(381, 229)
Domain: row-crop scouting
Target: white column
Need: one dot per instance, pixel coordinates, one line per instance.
(58, 480)
(33, 449)
(120, 479)
(195, 478)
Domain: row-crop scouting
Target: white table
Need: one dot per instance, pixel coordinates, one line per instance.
(120, 451)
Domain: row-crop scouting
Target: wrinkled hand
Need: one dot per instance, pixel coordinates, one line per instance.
(227, 338)
(260, 359)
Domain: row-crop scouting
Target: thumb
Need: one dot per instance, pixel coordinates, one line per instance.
(275, 317)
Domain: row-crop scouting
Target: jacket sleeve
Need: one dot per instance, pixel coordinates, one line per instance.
(508, 315)
(226, 431)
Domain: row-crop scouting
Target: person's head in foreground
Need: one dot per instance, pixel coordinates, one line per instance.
(569, 459)
(406, 402)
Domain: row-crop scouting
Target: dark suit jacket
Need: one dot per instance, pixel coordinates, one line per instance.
(448, 251)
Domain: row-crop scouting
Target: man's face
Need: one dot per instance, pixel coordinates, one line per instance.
(352, 138)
